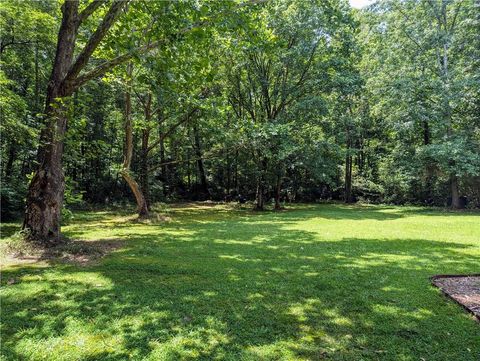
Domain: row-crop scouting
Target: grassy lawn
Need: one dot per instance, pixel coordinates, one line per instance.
(314, 282)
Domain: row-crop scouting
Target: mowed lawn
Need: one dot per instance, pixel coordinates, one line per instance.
(314, 282)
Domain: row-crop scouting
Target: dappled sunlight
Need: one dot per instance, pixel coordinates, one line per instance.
(241, 288)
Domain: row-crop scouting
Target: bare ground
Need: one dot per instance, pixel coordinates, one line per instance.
(465, 290)
(78, 252)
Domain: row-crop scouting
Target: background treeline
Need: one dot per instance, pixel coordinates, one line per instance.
(277, 101)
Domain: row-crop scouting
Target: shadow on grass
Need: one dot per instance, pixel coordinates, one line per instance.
(191, 213)
(246, 287)
(298, 211)
(8, 229)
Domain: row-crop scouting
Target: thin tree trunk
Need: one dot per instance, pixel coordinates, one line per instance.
(260, 197)
(348, 161)
(444, 34)
(142, 208)
(235, 174)
(12, 152)
(455, 194)
(428, 168)
(164, 168)
(278, 187)
(37, 81)
(348, 175)
(259, 205)
(229, 175)
(201, 168)
(144, 169)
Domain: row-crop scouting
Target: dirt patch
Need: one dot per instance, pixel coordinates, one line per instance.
(78, 252)
(154, 218)
(465, 290)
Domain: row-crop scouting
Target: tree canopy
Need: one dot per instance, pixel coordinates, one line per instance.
(110, 102)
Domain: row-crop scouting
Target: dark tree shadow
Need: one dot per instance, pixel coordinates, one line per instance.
(8, 229)
(250, 287)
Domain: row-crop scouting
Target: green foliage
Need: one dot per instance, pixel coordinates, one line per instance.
(421, 77)
(11, 203)
(255, 94)
(458, 156)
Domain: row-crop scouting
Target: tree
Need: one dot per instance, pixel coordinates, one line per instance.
(254, 100)
(278, 70)
(45, 192)
(421, 89)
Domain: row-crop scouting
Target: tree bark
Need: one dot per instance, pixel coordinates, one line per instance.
(45, 192)
(455, 194)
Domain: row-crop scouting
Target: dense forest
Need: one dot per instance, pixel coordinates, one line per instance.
(112, 102)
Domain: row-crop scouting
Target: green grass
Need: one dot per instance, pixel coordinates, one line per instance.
(314, 282)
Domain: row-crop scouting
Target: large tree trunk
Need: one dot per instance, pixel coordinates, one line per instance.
(45, 192)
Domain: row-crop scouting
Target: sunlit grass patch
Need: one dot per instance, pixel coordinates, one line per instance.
(313, 282)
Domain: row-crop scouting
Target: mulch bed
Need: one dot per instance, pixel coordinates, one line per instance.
(465, 290)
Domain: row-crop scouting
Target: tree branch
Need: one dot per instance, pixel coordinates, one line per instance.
(95, 39)
(89, 10)
(182, 120)
(3, 45)
(101, 69)
(110, 64)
